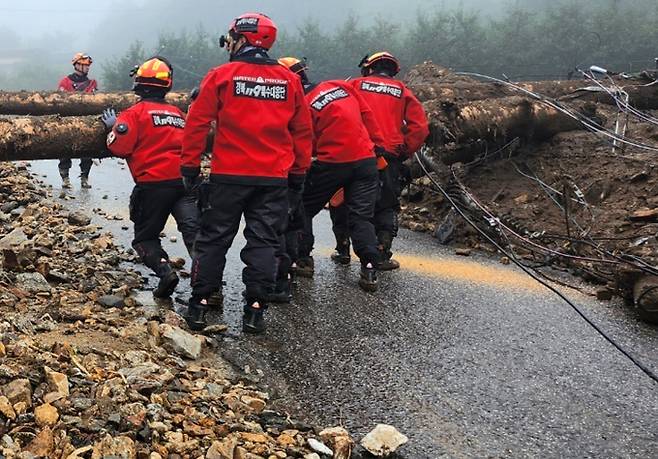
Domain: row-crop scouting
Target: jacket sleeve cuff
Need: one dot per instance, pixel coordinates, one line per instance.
(189, 171)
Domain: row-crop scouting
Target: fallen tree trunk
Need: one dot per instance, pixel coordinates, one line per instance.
(645, 297)
(73, 104)
(51, 137)
(432, 82)
(55, 137)
(464, 128)
(460, 133)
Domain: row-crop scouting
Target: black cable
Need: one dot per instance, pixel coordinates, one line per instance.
(512, 257)
(589, 123)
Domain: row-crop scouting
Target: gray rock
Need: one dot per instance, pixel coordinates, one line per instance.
(9, 206)
(79, 219)
(180, 341)
(45, 323)
(58, 276)
(138, 372)
(32, 282)
(320, 447)
(14, 239)
(111, 301)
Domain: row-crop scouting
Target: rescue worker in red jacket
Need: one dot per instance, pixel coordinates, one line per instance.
(149, 135)
(346, 134)
(404, 127)
(78, 81)
(288, 252)
(262, 146)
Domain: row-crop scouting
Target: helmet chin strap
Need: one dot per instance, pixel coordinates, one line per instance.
(236, 46)
(78, 69)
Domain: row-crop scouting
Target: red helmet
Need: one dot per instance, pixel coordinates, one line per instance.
(382, 56)
(257, 28)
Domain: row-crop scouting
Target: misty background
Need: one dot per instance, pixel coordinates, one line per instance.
(520, 38)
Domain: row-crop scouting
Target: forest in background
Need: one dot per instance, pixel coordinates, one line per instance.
(522, 43)
(523, 39)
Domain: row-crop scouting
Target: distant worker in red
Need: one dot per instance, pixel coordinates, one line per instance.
(78, 81)
(149, 135)
(404, 127)
(346, 135)
(262, 147)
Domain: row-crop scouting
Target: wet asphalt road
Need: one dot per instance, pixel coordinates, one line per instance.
(467, 357)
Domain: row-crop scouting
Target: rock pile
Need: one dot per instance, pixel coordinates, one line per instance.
(86, 372)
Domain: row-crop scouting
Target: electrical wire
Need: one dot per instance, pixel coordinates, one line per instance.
(589, 123)
(529, 272)
(623, 105)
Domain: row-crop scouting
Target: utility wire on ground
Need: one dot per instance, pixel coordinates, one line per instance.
(514, 259)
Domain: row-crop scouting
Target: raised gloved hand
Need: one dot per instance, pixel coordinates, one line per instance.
(109, 118)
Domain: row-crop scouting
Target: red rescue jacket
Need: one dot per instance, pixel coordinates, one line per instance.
(150, 136)
(345, 127)
(264, 130)
(399, 114)
(75, 83)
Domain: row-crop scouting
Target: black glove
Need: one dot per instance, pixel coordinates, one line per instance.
(191, 184)
(109, 118)
(402, 152)
(382, 152)
(194, 93)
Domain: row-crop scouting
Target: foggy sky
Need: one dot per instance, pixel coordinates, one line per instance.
(104, 29)
(53, 30)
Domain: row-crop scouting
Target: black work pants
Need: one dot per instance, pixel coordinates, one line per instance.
(222, 206)
(85, 165)
(360, 182)
(150, 207)
(385, 218)
(288, 250)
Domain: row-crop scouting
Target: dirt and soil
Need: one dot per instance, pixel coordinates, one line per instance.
(618, 208)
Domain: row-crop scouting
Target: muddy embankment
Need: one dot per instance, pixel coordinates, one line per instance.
(563, 199)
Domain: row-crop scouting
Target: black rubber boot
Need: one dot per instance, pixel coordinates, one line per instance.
(385, 239)
(84, 181)
(282, 293)
(305, 267)
(66, 182)
(368, 278)
(216, 301)
(168, 281)
(196, 315)
(342, 253)
(253, 320)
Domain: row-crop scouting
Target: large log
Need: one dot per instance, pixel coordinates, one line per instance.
(55, 137)
(431, 82)
(459, 133)
(51, 137)
(73, 104)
